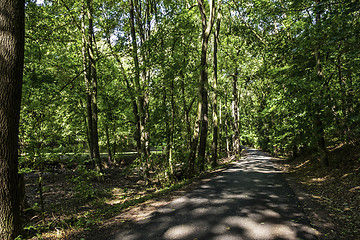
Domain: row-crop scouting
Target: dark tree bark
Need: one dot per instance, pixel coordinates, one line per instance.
(227, 139)
(235, 110)
(214, 99)
(108, 144)
(87, 80)
(141, 98)
(201, 125)
(132, 97)
(90, 77)
(11, 72)
(93, 74)
(318, 115)
(172, 128)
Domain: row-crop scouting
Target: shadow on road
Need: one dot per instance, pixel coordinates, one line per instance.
(250, 200)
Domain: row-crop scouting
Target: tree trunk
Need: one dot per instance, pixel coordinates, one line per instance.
(235, 109)
(110, 157)
(140, 98)
(201, 126)
(93, 75)
(11, 73)
(87, 89)
(132, 97)
(320, 75)
(220, 149)
(186, 108)
(137, 72)
(172, 127)
(227, 134)
(203, 92)
(214, 97)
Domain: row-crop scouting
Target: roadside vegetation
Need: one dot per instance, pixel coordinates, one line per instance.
(331, 196)
(76, 202)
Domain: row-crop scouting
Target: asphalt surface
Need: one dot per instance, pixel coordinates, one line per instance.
(249, 200)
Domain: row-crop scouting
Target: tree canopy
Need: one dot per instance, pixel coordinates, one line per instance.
(103, 78)
(294, 65)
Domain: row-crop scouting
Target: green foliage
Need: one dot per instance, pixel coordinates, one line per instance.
(83, 183)
(285, 105)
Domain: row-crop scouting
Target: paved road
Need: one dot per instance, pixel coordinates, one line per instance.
(250, 200)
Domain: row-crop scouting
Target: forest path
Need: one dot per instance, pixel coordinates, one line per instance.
(249, 200)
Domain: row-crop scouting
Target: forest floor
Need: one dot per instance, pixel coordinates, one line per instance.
(78, 202)
(330, 195)
(82, 206)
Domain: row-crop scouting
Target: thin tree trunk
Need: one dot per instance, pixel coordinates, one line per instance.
(137, 68)
(220, 127)
(172, 128)
(186, 108)
(93, 75)
(41, 195)
(140, 98)
(167, 123)
(133, 100)
(194, 142)
(318, 121)
(235, 108)
(114, 144)
(201, 126)
(87, 80)
(227, 134)
(11, 73)
(214, 98)
(110, 157)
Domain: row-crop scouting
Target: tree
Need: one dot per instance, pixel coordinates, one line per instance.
(215, 94)
(201, 126)
(11, 70)
(91, 85)
(142, 96)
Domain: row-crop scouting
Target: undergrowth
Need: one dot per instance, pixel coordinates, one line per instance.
(336, 187)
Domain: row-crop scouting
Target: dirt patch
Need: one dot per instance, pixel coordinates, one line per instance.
(330, 195)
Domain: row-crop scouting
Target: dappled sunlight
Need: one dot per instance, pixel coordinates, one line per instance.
(319, 180)
(236, 196)
(189, 231)
(248, 201)
(261, 230)
(302, 164)
(354, 189)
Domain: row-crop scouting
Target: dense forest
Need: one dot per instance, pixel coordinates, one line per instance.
(167, 88)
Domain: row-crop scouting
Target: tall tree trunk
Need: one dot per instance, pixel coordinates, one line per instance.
(172, 128)
(220, 127)
(320, 75)
(132, 97)
(87, 80)
(11, 73)
(185, 107)
(227, 123)
(201, 126)
(93, 74)
(144, 33)
(170, 124)
(110, 156)
(214, 97)
(235, 109)
(140, 98)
